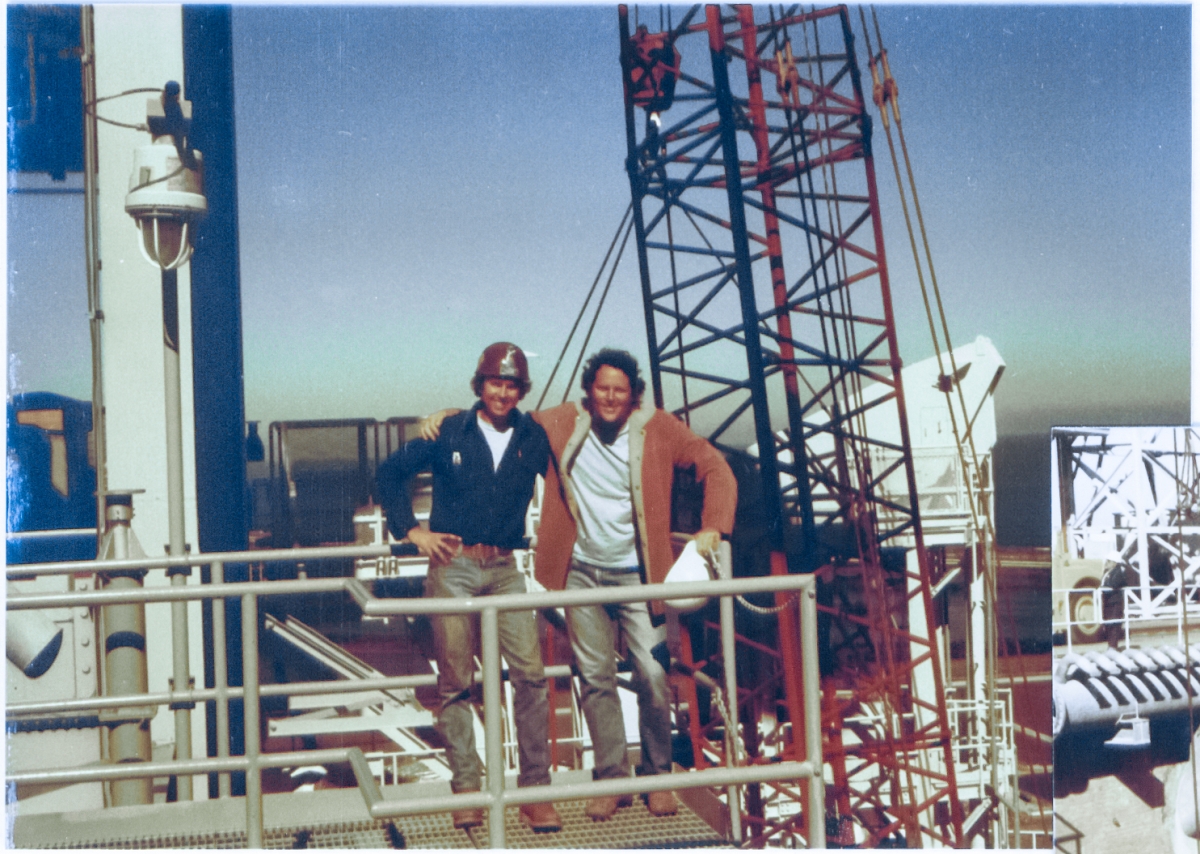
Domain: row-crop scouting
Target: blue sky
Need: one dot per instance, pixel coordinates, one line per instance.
(417, 182)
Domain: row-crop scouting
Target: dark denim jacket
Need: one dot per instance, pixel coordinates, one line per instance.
(470, 499)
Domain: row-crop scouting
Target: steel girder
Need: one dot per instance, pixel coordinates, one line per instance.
(1136, 491)
(770, 328)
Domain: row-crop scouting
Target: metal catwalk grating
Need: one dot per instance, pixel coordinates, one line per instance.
(361, 834)
(631, 828)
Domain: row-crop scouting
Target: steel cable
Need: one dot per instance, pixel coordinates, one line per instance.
(599, 305)
(583, 308)
(885, 94)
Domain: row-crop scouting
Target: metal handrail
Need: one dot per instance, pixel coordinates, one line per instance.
(64, 567)
(496, 797)
(50, 534)
(1132, 611)
(202, 695)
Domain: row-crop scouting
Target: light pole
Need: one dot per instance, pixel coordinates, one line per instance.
(166, 196)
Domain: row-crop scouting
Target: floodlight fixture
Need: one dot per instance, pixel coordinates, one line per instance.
(166, 188)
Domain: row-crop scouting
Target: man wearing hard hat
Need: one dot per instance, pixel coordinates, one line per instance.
(606, 522)
(484, 465)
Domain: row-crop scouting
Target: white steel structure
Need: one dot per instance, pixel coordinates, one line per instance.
(1132, 492)
(955, 495)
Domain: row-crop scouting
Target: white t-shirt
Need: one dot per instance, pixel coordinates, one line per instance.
(497, 439)
(600, 477)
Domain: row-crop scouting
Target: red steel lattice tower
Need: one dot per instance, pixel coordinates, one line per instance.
(770, 327)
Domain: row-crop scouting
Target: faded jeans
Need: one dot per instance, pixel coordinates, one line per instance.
(454, 643)
(593, 631)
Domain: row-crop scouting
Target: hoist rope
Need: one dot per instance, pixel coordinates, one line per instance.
(846, 387)
(599, 305)
(851, 391)
(808, 234)
(583, 308)
(687, 416)
(816, 223)
(819, 270)
(834, 313)
(885, 95)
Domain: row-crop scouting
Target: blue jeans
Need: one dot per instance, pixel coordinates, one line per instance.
(593, 631)
(454, 644)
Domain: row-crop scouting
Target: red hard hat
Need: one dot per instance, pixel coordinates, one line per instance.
(503, 360)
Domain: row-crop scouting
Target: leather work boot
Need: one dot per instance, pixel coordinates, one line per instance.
(541, 818)
(467, 818)
(662, 803)
(603, 807)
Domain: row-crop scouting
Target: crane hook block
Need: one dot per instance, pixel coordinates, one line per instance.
(653, 69)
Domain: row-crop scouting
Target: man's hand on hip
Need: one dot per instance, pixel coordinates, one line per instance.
(441, 547)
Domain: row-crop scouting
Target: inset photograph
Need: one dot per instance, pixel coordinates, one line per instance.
(1126, 551)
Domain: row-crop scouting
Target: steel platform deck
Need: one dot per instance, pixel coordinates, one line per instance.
(337, 818)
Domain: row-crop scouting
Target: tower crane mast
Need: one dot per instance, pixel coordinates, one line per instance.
(770, 328)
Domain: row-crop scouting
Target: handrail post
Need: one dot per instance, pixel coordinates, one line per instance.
(221, 678)
(124, 655)
(181, 680)
(1181, 601)
(490, 637)
(729, 657)
(812, 714)
(250, 706)
(1071, 624)
(1125, 614)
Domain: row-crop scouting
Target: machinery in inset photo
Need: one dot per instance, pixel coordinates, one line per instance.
(1126, 610)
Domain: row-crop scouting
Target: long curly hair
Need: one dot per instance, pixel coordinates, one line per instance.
(623, 361)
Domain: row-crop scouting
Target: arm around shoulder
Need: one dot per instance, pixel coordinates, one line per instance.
(431, 425)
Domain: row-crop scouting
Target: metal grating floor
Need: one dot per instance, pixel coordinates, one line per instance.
(632, 827)
(362, 834)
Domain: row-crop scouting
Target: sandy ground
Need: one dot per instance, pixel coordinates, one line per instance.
(1109, 817)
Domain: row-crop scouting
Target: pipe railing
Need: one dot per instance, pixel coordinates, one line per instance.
(1095, 624)
(1166, 606)
(496, 796)
(297, 555)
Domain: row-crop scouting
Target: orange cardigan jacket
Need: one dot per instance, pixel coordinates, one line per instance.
(658, 444)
